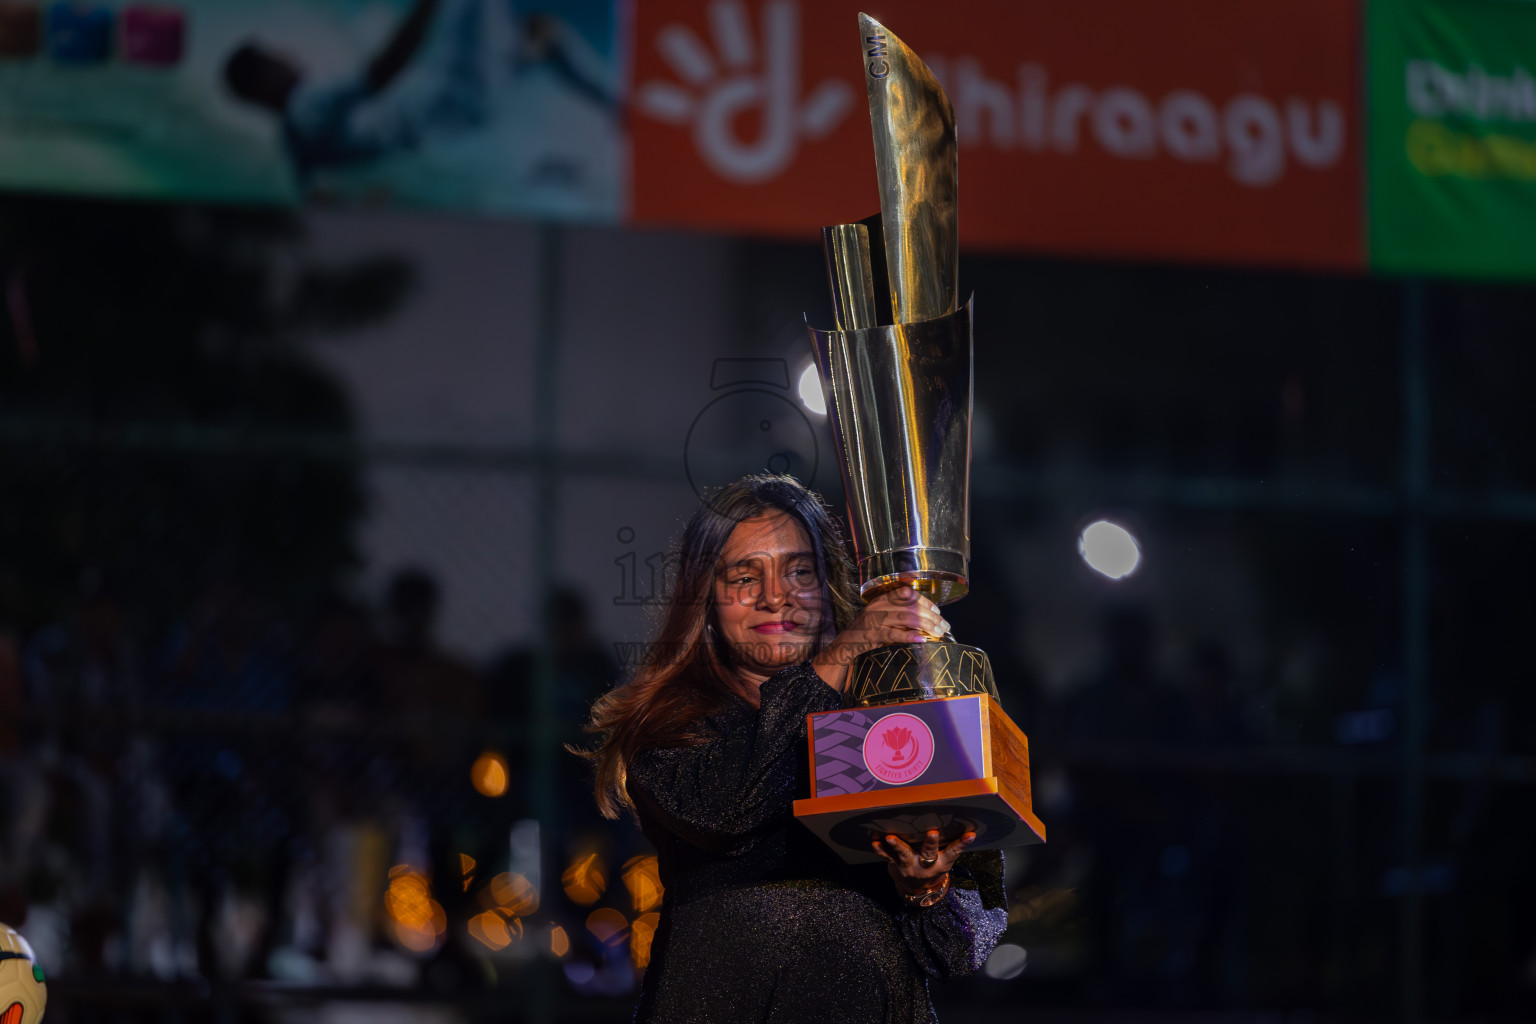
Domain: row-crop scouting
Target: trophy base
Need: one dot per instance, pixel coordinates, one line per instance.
(849, 824)
(899, 673)
(957, 764)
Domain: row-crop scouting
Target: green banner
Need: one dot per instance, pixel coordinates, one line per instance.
(1452, 151)
(495, 106)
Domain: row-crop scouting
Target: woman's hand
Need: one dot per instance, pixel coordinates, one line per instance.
(901, 616)
(915, 871)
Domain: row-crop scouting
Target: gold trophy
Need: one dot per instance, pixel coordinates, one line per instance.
(922, 741)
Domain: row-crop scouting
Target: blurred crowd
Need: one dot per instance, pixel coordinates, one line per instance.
(329, 797)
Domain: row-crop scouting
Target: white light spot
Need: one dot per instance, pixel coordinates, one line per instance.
(1006, 961)
(1109, 549)
(810, 391)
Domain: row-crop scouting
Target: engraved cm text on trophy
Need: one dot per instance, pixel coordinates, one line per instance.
(922, 742)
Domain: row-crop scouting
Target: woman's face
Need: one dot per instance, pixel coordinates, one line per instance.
(768, 604)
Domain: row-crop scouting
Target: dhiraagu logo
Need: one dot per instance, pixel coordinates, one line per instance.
(740, 72)
(1471, 123)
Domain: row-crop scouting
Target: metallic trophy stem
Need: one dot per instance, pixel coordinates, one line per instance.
(900, 405)
(849, 269)
(917, 164)
(900, 391)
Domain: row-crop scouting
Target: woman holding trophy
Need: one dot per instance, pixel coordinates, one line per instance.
(706, 745)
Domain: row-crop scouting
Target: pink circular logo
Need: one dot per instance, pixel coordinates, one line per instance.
(898, 749)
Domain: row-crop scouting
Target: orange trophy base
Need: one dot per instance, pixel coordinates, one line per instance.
(955, 763)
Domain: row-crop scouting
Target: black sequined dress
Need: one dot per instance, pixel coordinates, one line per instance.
(761, 921)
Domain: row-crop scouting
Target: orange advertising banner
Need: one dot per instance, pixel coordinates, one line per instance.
(1201, 130)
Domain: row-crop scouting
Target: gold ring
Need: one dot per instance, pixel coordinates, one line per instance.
(927, 863)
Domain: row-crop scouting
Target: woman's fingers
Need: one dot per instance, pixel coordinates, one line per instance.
(896, 615)
(952, 852)
(901, 853)
(931, 859)
(961, 842)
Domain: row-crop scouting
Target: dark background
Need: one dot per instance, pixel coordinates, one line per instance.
(302, 514)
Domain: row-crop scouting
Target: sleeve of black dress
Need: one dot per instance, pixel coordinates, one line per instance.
(720, 794)
(955, 936)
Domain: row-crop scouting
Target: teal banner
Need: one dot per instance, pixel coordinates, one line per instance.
(480, 105)
(1452, 152)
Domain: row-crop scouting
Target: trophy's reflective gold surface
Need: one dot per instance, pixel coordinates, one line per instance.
(917, 165)
(897, 370)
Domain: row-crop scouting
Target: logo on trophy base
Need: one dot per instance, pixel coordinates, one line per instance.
(899, 749)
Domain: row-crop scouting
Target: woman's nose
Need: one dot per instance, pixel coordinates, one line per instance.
(774, 591)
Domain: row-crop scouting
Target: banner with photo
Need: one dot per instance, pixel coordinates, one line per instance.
(1453, 137)
(493, 106)
(1197, 130)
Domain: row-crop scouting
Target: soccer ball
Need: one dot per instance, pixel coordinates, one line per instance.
(22, 991)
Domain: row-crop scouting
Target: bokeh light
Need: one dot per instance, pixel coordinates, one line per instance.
(1109, 549)
(641, 934)
(642, 877)
(559, 942)
(494, 931)
(489, 774)
(585, 880)
(416, 919)
(605, 923)
(810, 390)
(1007, 961)
(511, 893)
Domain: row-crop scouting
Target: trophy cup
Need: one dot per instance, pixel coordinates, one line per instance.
(922, 741)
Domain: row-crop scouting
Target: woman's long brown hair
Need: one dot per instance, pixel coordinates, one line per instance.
(687, 671)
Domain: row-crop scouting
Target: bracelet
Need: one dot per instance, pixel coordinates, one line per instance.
(929, 896)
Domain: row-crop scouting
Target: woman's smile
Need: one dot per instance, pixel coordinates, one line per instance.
(776, 627)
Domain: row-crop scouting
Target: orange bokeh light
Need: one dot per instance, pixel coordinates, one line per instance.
(495, 931)
(489, 774)
(417, 920)
(642, 878)
(512, 893)
(641, 934)
(605, 923)
(585, 880)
